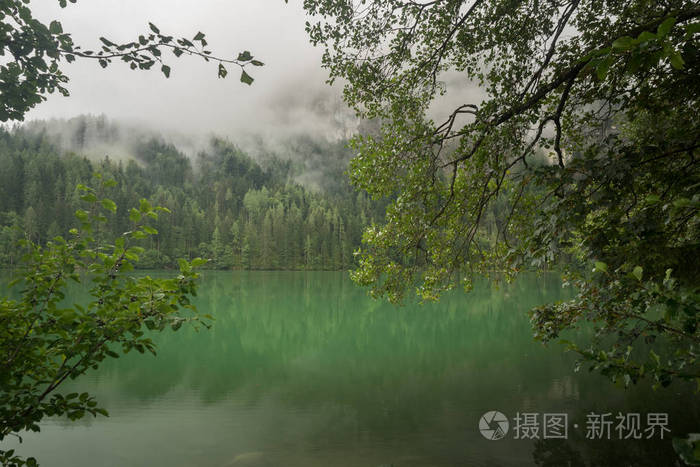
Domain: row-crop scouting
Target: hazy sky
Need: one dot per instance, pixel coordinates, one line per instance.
(288, 95)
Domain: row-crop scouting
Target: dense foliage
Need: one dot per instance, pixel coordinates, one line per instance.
(606, 91)
(44, 341)
(225, 206)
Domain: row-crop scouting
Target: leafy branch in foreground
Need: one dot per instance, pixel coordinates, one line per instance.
(583, 142)
(45, 341)
(655, 324)
(37, 50)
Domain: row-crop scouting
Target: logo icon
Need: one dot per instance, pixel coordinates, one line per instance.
(493, 425)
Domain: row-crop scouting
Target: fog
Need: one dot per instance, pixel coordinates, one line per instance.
(288, 98)
(284, 98)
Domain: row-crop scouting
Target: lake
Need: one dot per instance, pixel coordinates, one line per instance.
(303, 369)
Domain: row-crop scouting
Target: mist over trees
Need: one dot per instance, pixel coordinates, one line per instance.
(226, 206)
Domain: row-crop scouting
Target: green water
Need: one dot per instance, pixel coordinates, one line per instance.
(302, 369)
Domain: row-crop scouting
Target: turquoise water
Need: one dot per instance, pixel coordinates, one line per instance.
(302, 369)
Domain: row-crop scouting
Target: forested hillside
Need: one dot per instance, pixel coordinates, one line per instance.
(239, 212)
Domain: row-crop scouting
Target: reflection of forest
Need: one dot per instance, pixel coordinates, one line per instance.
(315, 335)
(313, 343)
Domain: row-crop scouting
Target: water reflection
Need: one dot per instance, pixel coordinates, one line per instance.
(303, 369)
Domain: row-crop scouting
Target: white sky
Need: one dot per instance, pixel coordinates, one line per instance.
(281, 100)
(289, 95)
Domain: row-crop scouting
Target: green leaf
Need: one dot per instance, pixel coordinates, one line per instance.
(244, 56)
(637, 272)
(109, 205)
(55, 27)
(692, 29)
(676, 60)
(665, 27)
(107, 42)
(246, 78)
(81, 215)
(222, 71)
(602, 69)
(131, 256)
(256, 63)
(134, 215)
(137, 250)
(681, 203)
(655, 357)
(198, 37)
(89, 197)
(647, 36)
(601, 266)
(197, 262)
(166, 70)
(623, 43)
(688, 448)
(144, 205)
(634, 63)
(184, 265)
(154, 28)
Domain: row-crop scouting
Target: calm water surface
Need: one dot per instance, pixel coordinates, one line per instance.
(302, 369)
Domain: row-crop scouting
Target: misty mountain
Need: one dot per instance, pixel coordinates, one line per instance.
(285, 207)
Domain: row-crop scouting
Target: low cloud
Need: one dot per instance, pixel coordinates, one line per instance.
(289, 94)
